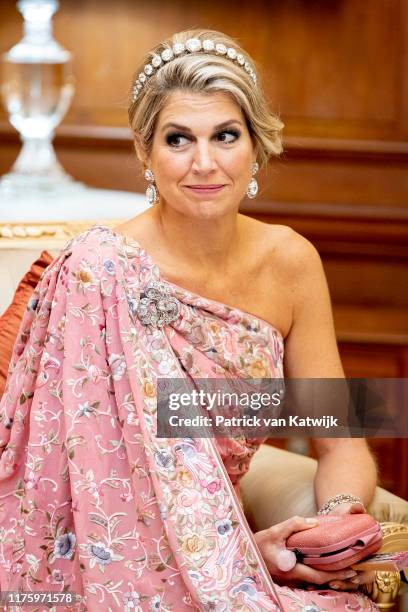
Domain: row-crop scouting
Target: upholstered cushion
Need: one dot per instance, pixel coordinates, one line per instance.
(11, 319)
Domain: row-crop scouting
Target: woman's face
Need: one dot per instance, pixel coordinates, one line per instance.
(201, 154)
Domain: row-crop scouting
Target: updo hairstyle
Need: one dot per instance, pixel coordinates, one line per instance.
(205, 73)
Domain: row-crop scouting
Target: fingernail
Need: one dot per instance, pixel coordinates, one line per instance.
(334, 585)
(355, 580)
(312, 521)
(350, 574)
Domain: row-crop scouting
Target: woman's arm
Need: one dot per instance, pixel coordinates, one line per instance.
(350, 460)
(345, 465)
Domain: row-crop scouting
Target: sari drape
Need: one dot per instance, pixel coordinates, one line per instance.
(92, 502)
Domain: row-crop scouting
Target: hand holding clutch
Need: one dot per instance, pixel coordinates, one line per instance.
(337, 541)
(282, 563)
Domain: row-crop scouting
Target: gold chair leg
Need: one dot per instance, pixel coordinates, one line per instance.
(384, 590)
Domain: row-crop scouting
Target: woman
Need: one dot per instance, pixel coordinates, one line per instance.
(93, 501)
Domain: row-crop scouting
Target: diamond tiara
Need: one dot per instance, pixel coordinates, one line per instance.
(192, 45)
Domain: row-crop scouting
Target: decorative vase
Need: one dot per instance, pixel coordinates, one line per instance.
(37, 86)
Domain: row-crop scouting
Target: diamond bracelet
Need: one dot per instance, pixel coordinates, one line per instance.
(342, 498)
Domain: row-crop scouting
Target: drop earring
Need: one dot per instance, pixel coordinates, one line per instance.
(252, 188)
(152, 195)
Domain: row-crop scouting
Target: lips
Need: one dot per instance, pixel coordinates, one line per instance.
(204, 186)
(205, 189)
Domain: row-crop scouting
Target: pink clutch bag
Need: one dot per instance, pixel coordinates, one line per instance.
(337, 541)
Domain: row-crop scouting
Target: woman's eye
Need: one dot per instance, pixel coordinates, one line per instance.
(228, 136)
(176, 140)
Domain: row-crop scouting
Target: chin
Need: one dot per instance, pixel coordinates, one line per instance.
(209, 209)
(202, 209)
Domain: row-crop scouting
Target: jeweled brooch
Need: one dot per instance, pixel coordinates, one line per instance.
(157, 306)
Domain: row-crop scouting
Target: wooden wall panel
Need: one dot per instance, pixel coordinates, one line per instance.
(368, 282)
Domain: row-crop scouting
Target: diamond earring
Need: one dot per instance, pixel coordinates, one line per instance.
(152, 195)
(252, 188)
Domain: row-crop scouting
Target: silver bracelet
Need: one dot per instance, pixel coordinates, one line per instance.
(342, 498)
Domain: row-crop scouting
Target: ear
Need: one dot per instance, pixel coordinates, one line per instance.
(140, 148)
(255, 153)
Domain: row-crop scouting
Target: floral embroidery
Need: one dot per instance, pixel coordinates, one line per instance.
(131, 599)
(223, 527)
(84, 278)
(164, 459)
(101, 554)
(118, 365)
(195, 547)
(64, 546)
(109, 266)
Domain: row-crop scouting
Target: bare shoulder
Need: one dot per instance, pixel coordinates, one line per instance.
(285, 251)
(300, 270)
(296, 253)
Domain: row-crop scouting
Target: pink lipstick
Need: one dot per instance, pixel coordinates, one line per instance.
(205, 189)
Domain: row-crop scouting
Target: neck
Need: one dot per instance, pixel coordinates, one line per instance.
(207, 246)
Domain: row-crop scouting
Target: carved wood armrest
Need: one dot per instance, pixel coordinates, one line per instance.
(386, 586)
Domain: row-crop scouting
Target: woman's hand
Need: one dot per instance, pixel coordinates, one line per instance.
(362, 577)
(282, 564)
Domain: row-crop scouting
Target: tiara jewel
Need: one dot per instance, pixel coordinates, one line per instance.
(220, 49)
(192, 45)
(167, 55)
(208, 45)
(178, 48)
(156, 61)
(232, 54)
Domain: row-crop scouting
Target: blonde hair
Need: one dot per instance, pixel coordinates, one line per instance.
(207, 73)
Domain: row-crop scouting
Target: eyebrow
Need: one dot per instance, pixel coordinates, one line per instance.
(184, 128)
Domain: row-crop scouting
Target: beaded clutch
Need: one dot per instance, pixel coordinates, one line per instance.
(337, 541)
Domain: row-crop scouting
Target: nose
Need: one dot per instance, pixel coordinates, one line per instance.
(204, 160)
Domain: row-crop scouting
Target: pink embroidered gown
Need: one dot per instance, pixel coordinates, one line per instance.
(92, 502)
